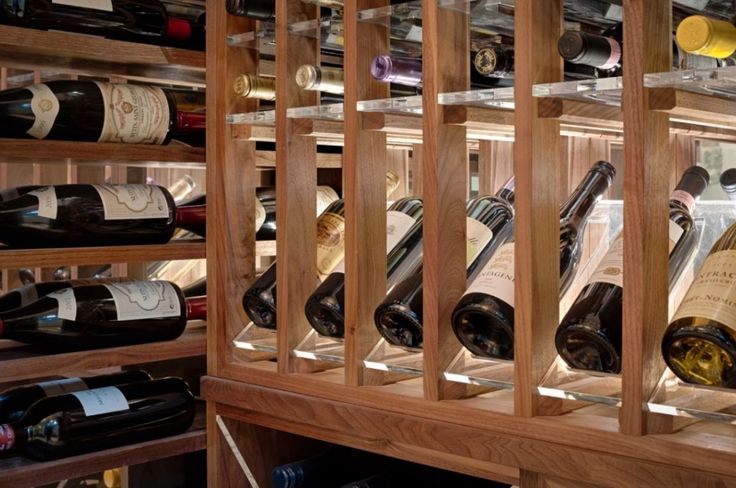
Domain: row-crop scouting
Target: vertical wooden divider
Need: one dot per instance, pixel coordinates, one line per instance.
(296, 183)
(538, 25)
(446, 58)
(647, 154)
(364, 177)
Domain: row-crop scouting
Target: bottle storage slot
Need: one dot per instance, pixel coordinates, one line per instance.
(263, 117)
(563, 382)
(259, 339)
(392, 359)
(329, 30)
(262, 39)
(676, 398)
(473, 370)
(331, 111)
(320, 348)
(491, 97)
(606, 91)
(719, 82)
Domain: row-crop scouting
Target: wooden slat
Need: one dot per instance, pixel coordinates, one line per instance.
(184, 249)
(74, 53)
(537, 228)
(19, 361)
(647, 167)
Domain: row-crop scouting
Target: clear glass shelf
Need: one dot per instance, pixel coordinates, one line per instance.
(263, 117)
(673, 397)
(473, 370)
(719, 81)
(605, 91)
(329, 30)
(566, 383)
(491, 97)
(254, 338)
(486, 17)
(392, 359)
(258, 39)
(333, 4)
(399, 105)
(331, 111)
(321, 348)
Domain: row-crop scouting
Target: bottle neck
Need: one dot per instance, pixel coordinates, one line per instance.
(692, 184)
(190, 122)
(191, 217)
(580, 204)
(197, 308)
(178, 29)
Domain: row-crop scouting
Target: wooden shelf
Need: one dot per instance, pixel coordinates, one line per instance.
(33, 151)
(19, 361)
(83, 256)
(74, 53)
(21, 472)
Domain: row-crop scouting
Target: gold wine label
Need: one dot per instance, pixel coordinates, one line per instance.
(330, 242)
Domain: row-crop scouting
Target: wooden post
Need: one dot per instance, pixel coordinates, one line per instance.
(538, 25)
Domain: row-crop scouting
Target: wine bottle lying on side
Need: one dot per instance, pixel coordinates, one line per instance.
(104, 315)
(103, 418)
(27, 294)
(95, 215)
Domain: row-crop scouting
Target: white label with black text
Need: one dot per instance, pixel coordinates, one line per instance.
(62, 387)
(397, 225)
(105, 5)
(48, 204)
(45, 108)
(122, 202)
(497, 276)
(102, 400)
(138, 300)
(67, 303)
(478, 235)
(134, 114)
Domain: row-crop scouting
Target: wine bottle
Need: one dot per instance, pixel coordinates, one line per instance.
(259, 300)
(95, 215)
(483, 320)
(29, 293)
(104, 315)
(589, 336)
(15, 192)
(498, 62)
(728, 183)
(264, 88)
(332, 80)
(129, 20)
(266, 209)
(15, 401)
(489, 224)
(254, 9)
(331, 467)
(197, 288)
(103, 418)
(325, 307)
(73, 110)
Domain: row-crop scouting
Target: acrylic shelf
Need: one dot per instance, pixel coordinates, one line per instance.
(677, 398)
(392, 359)
(329, 30)
(262, 39)
(490, 97)
(469, 369)
(605, 91)
(567, 383)
(331, 111)
(320, 348)
(262, 117)
(398, 105)
(259, 339)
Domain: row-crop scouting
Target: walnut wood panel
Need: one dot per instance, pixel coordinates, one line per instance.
(693, 107)
(267, 159)
(536, 166)
(74, 53)
(495, 165)
(365, 193)
(647, 157)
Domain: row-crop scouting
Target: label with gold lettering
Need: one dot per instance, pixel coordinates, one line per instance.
(478, 236)
(712, 294)
(330, 242)
(45, 108)
(134, 114)
(497, 276)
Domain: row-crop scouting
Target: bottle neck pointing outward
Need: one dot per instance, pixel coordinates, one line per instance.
(197, 308)
(581, 202)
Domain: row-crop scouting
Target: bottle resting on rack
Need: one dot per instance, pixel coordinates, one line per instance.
(72, 110)
(704, 36)
(104, 315)
(489, 224)
(327, 79)
(15, 192)
(498, 62)
(483, 320)
(325, 307)
(589, 336)
(29, 293)
(332, 467)
(103, 418)
(254, 9)
(129, 20)
(259, 300)
(95, 215)
(264, 88)
(14, 402)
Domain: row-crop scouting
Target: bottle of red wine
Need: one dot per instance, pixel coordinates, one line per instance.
(197, 288)
(72, 110)
(14, 402)
(95, 215)
(324, 308)
(589, 336)
(266, 209)
(483, 320)
(498, 62)
(103, 418)
(489, 224)
(104, 315)
(128, 20)
(27, 294)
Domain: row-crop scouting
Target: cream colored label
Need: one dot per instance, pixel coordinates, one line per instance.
(62, 387)
(48, 204)
(122, 202)
(138, 300)
(478, 236)
(397, 225)
(712, 294)
(45, 108)
(675, 232)
(325, 196)
(134, 114)
(67, 303)
(497, 276)
(260, 214)
(102, 400)
(105, 5)
(330, 242)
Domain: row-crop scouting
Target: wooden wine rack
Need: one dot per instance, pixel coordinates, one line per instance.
(515, 435)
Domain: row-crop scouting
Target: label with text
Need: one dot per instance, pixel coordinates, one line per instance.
(45, 108)
(134, 114)
(330, 242)
(104, 5)
(397, 225)
(139, 300)
(478, 236)
(48, 204)
(102, 400)
(67, 303)
(497, 276)
(712, 295)
(123, 202)
(325, 196)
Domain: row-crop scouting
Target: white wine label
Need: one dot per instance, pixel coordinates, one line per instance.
(102, 400)
(134, 114)
(330, 242)
(260, 214)
(497, 276)
(675, 233)
(139, 300)
(325, 196)
(414, 34)
(67, 303)
(397, 225)
(45, 108)
(611, 268)
(62, 387)
(105, 5)
(478, 236)
(48, 204)
(712, 295)
(122, 202)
